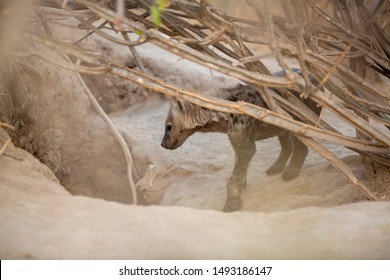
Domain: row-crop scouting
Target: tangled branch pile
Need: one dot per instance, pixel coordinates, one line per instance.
(338, 42)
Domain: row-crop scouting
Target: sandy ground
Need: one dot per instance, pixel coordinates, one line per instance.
(40, 220)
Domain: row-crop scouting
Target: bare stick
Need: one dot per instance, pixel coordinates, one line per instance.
(6, 125)
(118, 137)
(5, 145)
(134, 52)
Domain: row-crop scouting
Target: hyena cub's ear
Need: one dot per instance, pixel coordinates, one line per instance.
(179, 104)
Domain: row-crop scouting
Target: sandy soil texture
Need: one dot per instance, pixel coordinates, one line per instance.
(40, 220)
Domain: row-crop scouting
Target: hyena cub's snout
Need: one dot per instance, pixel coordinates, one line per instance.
(169, 141)
(173, 140)
(166, 144)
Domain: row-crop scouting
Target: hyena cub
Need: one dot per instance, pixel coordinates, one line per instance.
(184, 119)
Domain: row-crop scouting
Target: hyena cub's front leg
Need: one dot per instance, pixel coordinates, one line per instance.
(242, 139)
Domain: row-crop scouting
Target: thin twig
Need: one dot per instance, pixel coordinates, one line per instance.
(2, 149)
(118, 137)
(7, 125)
(134, 52)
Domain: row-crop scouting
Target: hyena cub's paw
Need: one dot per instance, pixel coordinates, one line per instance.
(232, 205)
(290, 173)
(274, 169)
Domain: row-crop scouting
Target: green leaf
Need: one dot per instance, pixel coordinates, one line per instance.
(156, 16)
(162, 4)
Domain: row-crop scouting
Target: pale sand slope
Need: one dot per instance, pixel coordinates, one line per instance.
(40, 220)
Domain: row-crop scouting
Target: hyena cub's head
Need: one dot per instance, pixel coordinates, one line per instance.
(177, 126)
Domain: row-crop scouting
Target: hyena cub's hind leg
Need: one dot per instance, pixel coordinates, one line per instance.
(286, 145)
(298, 157)
(292, 147)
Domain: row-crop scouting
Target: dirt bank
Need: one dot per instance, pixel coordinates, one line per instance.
(40, 220)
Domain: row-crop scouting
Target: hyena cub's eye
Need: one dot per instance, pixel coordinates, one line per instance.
(168, 127)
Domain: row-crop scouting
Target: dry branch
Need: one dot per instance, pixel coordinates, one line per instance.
(213, 103)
